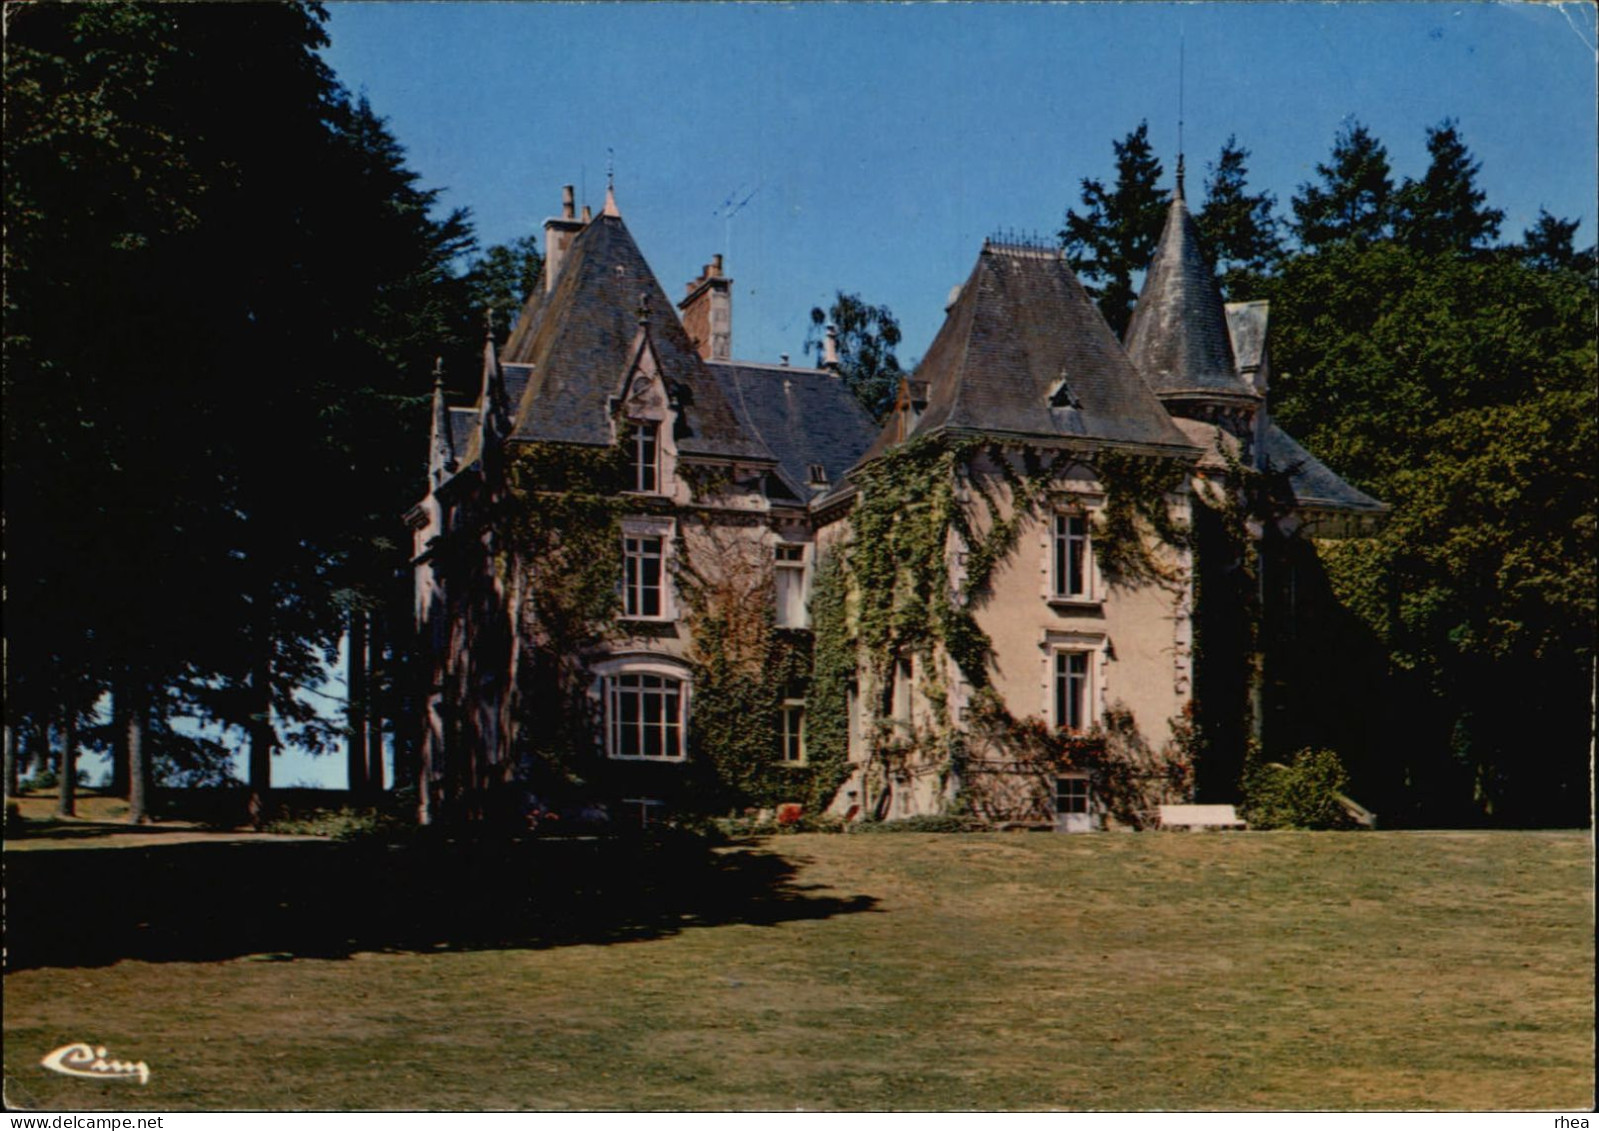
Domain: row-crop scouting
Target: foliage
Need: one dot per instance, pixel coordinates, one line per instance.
(1116, 234)
(502, 278)
(1353, 202)
(1444, 211)
(1460, 390)
(917, 504)
(152, 152)
(925, 823)
(1548, 246)
(1301, 795)
(867, 336)
(1238, 227)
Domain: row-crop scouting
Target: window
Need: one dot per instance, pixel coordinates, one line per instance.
(641, 576)
(818, 473)
(1071, 795)
(790, 585)
(644, 716)
(793, 732)
(1071, 690)
(648, 810)
(645, 449)
(1069, 557)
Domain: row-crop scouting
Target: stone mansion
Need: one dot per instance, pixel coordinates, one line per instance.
(652, 579)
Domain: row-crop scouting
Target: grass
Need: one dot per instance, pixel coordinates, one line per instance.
(1174, 971)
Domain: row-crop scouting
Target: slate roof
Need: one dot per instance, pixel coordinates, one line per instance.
(463, 430)
(575, 343)
(1247, 323)
(1178, 334)
(805, 416)
(1315, 485)
(1021, 325)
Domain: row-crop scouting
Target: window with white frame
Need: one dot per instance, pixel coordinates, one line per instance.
(1072, 795)
(789, 580)
(643, 575)
(793, 752)
(644, 716)
(1072, 687)
(644, 448)
(1069, 557)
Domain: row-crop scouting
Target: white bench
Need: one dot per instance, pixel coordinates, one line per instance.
(1200, 817)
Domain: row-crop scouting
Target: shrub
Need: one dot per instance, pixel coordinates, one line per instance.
(924, 824)
(1301, 795)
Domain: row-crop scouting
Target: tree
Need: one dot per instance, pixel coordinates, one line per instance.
(502, 278)
(1444, 211)
(1116, 236)
(867, 336)
(1461, 391)
(1549, 245)
(1353, 200)
(239, 450)
(1238, 226)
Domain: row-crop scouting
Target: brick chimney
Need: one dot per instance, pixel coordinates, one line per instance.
(708, 312)
(559, 231)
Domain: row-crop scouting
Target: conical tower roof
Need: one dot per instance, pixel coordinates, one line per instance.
(1024, 352)
(571, 348)
(1178, 334)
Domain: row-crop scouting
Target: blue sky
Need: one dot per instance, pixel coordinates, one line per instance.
(883, 142)
(874, 146)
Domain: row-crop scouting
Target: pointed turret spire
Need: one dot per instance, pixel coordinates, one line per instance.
(492, 410)
(1178, 333)
(441, 449)
(1180, 177)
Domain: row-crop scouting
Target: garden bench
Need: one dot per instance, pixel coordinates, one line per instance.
(1200, 817)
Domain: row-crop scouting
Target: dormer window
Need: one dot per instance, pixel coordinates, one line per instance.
(645, 449)
(818, 474)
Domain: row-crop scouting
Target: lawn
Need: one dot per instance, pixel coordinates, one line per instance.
(1006, 971)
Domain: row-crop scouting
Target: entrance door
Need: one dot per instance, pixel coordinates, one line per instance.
(1074, 811)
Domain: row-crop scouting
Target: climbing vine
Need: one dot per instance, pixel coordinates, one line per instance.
(939, 505)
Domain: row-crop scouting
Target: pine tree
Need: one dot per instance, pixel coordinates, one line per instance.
(1116, 236)
(1550, 245)
(1238, 226)
(1354, 199)
(1444, 211)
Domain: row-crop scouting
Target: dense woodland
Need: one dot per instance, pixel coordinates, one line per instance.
(227, 297)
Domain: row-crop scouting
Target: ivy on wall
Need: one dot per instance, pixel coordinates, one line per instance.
(897, 595)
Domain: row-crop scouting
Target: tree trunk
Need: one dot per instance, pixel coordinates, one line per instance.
(132, 738)
(261, 721)
(11, 761)
(67, 778)
(377, 701)
(120, 727)
(355, 709)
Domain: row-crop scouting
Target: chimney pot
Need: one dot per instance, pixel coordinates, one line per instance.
(567, 199)
(715, 269)
(830, 347)
(783, 360)
(588, 214)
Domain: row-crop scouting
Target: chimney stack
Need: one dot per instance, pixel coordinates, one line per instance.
(559, 231)
(830, 348)
(708, 312)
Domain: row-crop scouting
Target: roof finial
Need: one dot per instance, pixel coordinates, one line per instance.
(610, 208)
(438, 372)
(488, 323)
(1180, 77)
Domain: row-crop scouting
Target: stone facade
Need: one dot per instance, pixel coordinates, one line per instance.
(717, 490)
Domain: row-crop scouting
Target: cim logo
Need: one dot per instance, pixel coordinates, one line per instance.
(91, 1063)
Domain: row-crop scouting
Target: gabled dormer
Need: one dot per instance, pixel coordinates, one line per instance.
(644, 411)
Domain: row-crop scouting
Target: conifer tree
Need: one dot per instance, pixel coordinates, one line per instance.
(1238, 226)
(1115, 236)
(1445, 210)
(1354, 199)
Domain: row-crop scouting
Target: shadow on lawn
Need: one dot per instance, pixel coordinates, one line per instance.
(208, 901)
